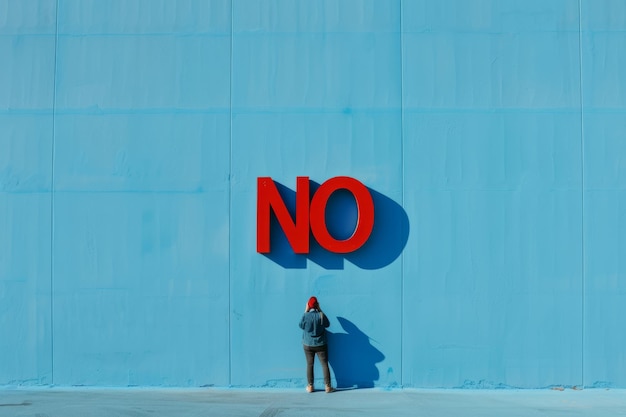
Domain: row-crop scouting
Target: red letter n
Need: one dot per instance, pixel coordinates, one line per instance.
(297, 232)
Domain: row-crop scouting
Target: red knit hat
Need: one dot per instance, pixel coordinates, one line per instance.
(312, 302)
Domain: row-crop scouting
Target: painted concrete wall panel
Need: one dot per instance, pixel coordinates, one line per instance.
(319, 145)
(142, 152)
(491, 16)
(603, 27)
(326, 16)
(492, 300)
(142, 217)
(315, 71)
(26, 79)
(141, 284)
(196, 18)
(460, 54)
(604, 287)
(35, 17)
(493, 150)
(26, 157)
(142, 72)
(25, 319)
(492, 124)
(317, 95)
(496, 224)
(141, 171)
(26, 101)
(603, 24)
(27, 45)
(143, 55)
(310, 68)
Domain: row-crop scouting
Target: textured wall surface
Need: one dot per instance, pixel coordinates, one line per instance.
(491, 134)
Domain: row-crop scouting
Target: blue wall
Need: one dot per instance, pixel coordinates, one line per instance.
(491, 133)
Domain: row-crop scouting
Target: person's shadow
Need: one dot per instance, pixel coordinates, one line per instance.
(352, 357)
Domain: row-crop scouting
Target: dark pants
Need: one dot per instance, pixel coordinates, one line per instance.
(322, 354)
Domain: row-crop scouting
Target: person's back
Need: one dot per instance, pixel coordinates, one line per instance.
(313, 324)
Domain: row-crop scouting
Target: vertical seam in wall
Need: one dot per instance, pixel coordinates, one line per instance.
(582, 193)
(52, 179)
(230, 192)
(403, 184)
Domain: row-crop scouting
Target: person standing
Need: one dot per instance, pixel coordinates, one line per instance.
(313, 324)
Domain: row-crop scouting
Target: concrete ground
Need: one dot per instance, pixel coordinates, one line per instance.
(137, 402)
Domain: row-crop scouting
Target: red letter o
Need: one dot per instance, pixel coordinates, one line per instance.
(365, 215)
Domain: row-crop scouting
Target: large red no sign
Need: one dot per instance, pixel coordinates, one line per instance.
(312, 214)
